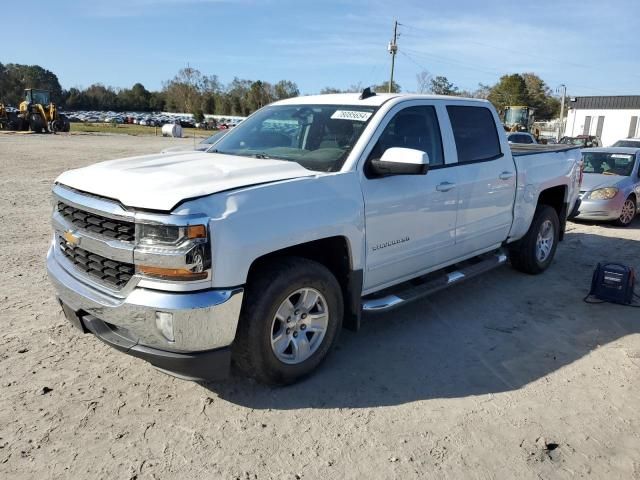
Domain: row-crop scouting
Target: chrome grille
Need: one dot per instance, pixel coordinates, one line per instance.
(110, 272)
(91, 222)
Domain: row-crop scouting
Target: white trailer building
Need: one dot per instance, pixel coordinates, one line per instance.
(609, 117)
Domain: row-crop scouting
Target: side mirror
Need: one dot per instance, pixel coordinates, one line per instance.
(401, 161)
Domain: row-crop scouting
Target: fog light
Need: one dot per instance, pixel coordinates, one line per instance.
(164, 323)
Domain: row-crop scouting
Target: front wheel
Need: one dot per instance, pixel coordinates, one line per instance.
(36, 123)
(535, 251)
(290, 320)
(628, 213)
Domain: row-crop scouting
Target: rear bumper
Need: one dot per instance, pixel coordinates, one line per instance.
(204, 322)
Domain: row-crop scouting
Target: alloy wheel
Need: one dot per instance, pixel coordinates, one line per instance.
(299, 326)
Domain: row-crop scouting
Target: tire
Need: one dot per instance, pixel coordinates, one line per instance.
(36, 123)
(535, 251)
(264, 302)
(22, 124)
(12, 123)
(629, 211)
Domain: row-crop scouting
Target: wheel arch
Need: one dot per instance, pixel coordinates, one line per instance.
(556, 198)
(335, 254)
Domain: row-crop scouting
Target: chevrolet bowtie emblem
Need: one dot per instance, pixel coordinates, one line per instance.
(71, 238)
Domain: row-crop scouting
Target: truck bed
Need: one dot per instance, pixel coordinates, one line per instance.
(520, 149)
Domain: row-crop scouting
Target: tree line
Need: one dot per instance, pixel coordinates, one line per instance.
(191, 91)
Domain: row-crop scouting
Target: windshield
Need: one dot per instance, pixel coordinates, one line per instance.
(627, 143)
(608, 163)
(213, 138)
(40, 97)
(318, 137)
(515, 115)
(573, 141)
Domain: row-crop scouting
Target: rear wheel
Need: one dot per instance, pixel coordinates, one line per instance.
(628, 212)
(535, 251)
(290, 320)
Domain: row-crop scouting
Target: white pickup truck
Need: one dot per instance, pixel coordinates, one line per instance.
(311, 211)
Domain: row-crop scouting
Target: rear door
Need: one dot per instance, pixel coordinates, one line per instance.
(486, 179)
(410, 219)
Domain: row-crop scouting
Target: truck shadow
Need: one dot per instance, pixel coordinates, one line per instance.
(493, 334)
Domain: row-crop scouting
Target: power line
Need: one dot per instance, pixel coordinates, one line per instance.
(445, 60)
(517, 52)
(530, 54)
(468, 66)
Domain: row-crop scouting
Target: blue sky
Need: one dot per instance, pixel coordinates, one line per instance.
(591, 46)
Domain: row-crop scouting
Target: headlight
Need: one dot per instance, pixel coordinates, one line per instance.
(148, 234)
(170, 252)
(603, 193)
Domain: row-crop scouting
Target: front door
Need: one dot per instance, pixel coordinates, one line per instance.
(410, 219)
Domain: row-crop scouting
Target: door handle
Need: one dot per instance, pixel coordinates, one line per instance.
(505, 175)
(445, 186)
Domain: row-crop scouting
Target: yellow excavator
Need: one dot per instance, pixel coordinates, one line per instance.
(518, 118)
(36, 113)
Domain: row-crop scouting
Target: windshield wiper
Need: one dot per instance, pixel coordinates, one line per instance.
(262, 156)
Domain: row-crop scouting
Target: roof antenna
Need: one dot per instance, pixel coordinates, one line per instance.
(366, 93)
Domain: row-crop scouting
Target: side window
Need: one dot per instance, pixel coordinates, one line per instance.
(414, 127)
(474, 130)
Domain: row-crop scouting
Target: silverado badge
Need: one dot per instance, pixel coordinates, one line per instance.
(389, 243)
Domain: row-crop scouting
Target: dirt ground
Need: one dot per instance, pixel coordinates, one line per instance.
(506, 376)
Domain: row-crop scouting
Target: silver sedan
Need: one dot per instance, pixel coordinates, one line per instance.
(611, 185)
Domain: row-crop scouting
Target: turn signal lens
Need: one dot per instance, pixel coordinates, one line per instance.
(171, 273)
(196, 231)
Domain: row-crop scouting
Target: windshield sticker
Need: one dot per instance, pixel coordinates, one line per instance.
(620, 155)
(351, 115)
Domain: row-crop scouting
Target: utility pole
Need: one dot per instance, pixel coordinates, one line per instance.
(393, 49)
(564, 95)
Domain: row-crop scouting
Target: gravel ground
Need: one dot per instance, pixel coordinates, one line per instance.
(507, 376)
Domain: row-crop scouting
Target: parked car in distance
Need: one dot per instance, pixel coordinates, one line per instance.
(584, 141)
(308, 213)
(200, 147)
(628, 142)
(611, 184)
(521, 137)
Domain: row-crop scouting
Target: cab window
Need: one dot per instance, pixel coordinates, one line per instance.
(414, 127)
(474, 130)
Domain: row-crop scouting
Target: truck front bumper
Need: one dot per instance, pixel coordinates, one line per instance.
(203, 323)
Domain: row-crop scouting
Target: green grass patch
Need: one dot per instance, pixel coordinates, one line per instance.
(126, 129)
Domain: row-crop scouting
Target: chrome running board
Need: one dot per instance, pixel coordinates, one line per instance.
(403, 293)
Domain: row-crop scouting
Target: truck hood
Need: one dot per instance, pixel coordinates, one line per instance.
(161, 181)
(592, 181)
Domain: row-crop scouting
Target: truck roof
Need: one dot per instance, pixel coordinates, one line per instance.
(374, 100)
